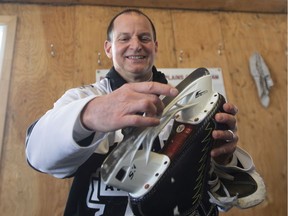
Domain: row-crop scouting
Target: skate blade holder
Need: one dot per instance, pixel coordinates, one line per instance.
(137, 171)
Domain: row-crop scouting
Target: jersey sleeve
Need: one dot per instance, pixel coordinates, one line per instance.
(52, 143)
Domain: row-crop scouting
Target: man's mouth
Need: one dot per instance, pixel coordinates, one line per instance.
(136, 57)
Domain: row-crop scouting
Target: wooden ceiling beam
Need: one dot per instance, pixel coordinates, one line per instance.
(260, 6)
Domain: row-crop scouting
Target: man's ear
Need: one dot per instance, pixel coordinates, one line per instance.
(108, 48)
(156, 46)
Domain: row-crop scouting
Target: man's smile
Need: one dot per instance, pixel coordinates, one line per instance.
(136, 57)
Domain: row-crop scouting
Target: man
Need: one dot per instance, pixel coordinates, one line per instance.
(74, 137)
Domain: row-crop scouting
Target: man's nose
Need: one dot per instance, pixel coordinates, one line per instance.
(136, 44)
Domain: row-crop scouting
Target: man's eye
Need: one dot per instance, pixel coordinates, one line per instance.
(123, 39)
(145, 38)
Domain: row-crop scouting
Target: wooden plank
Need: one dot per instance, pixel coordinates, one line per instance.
(266, 6)
(90, 34)
(37, 81)
(199, 42)
(166, 55)
(6, 59)
(263, 131)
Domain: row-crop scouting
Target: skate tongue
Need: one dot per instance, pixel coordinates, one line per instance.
(198, 73)
(119, 161)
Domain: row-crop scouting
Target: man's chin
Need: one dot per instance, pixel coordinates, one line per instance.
(140, 70)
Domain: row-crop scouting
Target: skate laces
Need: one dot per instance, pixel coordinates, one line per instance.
(226, 202)
(236, 184)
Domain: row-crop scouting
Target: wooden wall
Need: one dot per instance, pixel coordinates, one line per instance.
(262, 6)
(77, 33)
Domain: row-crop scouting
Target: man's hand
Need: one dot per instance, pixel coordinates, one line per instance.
(124, 107)
(227, 139)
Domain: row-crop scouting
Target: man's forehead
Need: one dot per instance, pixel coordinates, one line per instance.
(132, 22)
(132, 13)
(124, 17)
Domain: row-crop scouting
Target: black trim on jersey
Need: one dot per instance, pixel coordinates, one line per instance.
(86, 141)
(28, 132)
(116, 81)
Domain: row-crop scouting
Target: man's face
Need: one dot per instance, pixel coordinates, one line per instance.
(132, 47)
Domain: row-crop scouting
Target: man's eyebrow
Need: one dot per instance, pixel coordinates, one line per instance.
(123, 34)
(126, 34)
(145, 33)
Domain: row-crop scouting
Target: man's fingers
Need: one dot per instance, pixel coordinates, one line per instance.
(133, 104)
(228, 119)
(227, 135)
(154, 88)
(230, 108)
(148, 107)
(144, 97)
(139, 121)
(138, 103)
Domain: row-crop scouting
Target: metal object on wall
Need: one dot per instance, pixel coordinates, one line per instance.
(52, 50)
(262, 78)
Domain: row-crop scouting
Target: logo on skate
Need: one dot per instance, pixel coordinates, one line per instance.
(200, 93)
(132, 171)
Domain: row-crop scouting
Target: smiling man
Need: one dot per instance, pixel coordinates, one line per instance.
(132, 46)
(86, 123)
